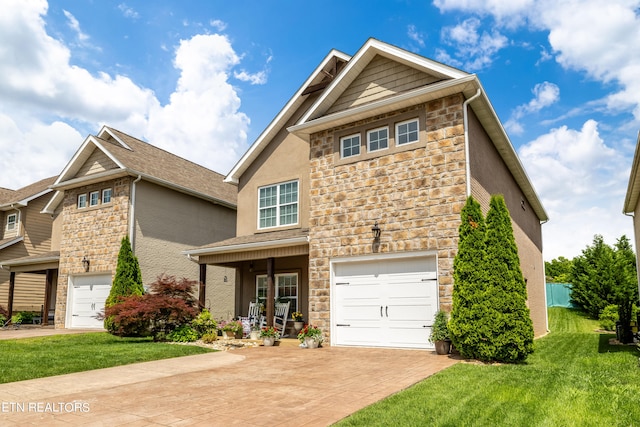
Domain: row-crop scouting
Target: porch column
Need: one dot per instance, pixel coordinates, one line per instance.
(12, 286)
(47, 297)
(203, 285)
(271, 290)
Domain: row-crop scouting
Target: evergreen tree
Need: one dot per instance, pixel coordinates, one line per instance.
(468, 277)
(128, 278)
(592, 281)
(507, 322)
(625, 292)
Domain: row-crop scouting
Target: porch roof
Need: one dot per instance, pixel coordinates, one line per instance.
(43, 261)
(254, 246)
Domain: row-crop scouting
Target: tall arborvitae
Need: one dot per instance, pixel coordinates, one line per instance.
(128, 278)
(508, 326)
(469, 278)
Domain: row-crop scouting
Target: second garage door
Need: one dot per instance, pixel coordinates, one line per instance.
(386, 302)
(87, 297)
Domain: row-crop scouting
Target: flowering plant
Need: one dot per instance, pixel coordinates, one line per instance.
(310, 331)
(269, 331)
(297, 316)
(233, 325)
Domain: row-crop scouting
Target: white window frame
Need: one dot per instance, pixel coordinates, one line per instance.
(398, 134)
(279, 206)
(94, 198)
(104, 193)
(12, 225)
(342, 147)
(82, 201)
(294, 306)
(369, 132)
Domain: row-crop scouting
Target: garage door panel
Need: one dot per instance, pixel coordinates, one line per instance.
(88, 297)
(359, 312)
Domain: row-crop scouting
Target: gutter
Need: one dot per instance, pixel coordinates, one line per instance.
(466, 139)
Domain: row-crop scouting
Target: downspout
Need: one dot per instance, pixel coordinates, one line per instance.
(132, 224)
(466, 139)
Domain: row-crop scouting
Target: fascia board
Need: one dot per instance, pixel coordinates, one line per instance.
(633, 187)
(247, 246)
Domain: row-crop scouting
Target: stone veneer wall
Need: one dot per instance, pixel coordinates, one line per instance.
(416, 195)
(94, 232)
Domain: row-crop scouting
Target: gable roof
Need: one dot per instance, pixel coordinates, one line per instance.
(452, 81)
(633, 187)
(319, 79)
(133, 157)
(10, 199)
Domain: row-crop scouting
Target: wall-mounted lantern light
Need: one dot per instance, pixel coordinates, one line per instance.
(375, 230)
(85, 263)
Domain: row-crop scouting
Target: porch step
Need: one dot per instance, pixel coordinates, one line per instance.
(289, 342)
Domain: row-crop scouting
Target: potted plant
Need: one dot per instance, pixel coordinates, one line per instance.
(310, 337)
(255, 333)
(269, 335)
(440, 333)
(231, 329)
(298, 324)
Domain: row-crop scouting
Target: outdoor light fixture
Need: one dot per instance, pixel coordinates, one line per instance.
(85, 263)
(375, 230)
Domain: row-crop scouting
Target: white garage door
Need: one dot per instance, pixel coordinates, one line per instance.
(384, 302)
(87, 297)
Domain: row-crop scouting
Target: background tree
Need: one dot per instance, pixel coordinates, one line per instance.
(592, 277)
(128, 278)
(625, 291)
(508, 321)
(558, 270)
(468, 309)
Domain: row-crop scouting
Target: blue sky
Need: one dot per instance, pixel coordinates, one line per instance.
(203, 78)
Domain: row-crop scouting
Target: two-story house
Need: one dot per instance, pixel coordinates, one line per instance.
(116, 186)
(349, 201)
(26, 233)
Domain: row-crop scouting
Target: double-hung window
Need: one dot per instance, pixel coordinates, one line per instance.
(278, 205)
(12, 221)
(106, 196)
(407, 132)
(350, 146)
(378, 139)
(286, 289)
(82, 201)
(94, 198)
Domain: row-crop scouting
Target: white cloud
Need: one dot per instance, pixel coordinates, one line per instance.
(258, 78)
(415, 36)
(474, 49)
(128, 12)
(75, 26)
(545, 94)
(581, 182)
(218, 24)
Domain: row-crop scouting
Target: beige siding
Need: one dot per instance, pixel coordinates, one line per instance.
(6, 234)
(286, 158)
(37, 226)
(380, 79)
(97, 162)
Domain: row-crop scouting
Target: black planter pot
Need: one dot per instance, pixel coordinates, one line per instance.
(443, 347)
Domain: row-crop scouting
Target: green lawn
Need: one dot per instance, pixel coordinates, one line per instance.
(574, 378)
(23, 359)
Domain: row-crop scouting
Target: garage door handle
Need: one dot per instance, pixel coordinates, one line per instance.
(381, 312)
(386, 310)
(342, 324)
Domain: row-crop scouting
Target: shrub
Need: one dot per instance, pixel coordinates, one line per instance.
(210, 337)
(169, 304)
(609, 317)
(439, 330)
(183, 333)
(204, 323)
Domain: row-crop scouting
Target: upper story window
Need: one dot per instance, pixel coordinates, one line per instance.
(82, 201)
(106, 196)
(278, 205)
(94, 198)
(378, 139)
(350, 145)
(407, 132)
(12, 222)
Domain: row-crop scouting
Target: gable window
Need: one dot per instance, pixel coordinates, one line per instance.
(350, 146)
(94, 198)
(407, 132)
(82, 201)
(278, 205)
(286, 289)
(106, 196)
(378, 139)
(12, 221)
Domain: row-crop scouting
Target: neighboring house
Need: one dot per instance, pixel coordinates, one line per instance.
(384, 141)
(26, 233)
(116, 185)
(631, 205)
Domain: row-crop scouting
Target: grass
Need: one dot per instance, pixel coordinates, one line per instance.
(574, 378)
(27, 358)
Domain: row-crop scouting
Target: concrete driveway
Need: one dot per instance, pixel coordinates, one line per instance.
(264, 386)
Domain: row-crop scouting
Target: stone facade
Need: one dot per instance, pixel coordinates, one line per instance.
(415, 192)
(94, 232)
